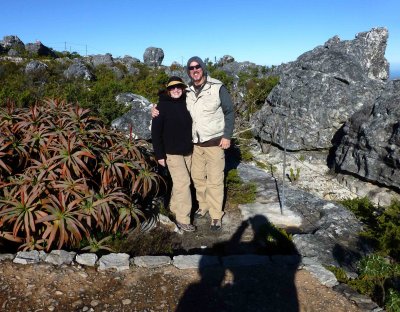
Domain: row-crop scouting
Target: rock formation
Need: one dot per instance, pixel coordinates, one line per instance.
(78, 69)
(322, 89)
(370, 145)
(153, 56)
(137, 121)
(39, 49)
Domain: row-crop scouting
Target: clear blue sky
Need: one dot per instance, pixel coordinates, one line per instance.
(261, 31)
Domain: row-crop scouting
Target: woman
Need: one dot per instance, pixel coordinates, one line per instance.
(172, 142)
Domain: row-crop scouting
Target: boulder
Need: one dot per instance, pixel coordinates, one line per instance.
(153, 56)
(226, 59)
(13, 53)
(370, 145)
(137, 121)
(78, 69)
(99, 59)
(39, 49)
(35, 67)
(319, 91)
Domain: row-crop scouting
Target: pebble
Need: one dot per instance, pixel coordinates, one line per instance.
(77, 303)
(51, 308)
(59, 293)
(83, 274)
(126, 301)
(94, 303)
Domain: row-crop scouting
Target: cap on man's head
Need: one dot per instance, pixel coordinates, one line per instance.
(198, 61)
(174, 81)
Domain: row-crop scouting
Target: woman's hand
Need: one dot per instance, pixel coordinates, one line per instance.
(154, 112)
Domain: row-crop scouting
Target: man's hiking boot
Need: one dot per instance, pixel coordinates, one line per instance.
(199, 214)
(216, 225)
(186, 227)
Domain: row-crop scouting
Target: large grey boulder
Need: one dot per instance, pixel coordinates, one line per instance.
(78, 70)
(35, 67)
(100, 59)
(153, 56)
(137, 121)
(370, 146)
(319, 91)
(39, 49)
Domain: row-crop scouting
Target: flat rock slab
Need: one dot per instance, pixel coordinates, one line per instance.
(195, 261)
(152, 261)
(119, 262)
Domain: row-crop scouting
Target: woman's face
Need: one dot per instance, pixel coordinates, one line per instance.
(175, 92)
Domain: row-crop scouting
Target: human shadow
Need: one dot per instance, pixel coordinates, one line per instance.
(248, 277)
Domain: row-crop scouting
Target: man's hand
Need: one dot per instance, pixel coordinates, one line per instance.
(154, 112)
(161, 162)
(225, 143)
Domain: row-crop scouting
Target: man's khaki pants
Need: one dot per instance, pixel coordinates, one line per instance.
(208, 165)
(181, 198)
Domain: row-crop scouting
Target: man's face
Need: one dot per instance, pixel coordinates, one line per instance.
(196, 73)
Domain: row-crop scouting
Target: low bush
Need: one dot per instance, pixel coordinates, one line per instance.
(379, 272)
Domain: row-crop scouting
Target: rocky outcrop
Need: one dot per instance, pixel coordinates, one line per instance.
(321, 90)
(153, 56)
(39, 49)
(370, 146)
(326, 233)
(130, 63)
(78, 70)
(35, 67)
(226, 59)
(137, 121)
(99, 59)
(12, 42)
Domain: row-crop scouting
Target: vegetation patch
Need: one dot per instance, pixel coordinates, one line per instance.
(379, 273)
(237, 191)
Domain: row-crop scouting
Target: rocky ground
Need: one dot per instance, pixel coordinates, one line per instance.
(44, 287)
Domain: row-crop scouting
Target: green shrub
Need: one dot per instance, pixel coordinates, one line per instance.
(64, 175)
(383, 225)
(237, 191)
(393, 301)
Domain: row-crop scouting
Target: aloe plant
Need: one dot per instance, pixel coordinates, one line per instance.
(64, 175)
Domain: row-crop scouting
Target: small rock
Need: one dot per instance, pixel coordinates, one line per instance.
(94, 303)
(126, 301)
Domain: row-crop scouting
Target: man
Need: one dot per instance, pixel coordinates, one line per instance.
(211, 108)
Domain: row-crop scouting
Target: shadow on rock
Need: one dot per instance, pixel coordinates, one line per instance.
(243, 281)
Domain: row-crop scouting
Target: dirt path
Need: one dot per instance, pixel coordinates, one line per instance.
(45, 287)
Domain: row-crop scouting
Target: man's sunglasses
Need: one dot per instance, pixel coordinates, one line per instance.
(194, 67)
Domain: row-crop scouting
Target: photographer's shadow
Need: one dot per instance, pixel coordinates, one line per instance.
(239, 283)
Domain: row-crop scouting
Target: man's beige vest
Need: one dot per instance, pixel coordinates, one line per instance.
(206, 111)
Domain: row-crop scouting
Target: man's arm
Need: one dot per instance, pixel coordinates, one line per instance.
(229, 117)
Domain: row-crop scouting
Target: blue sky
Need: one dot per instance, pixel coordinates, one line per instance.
(261, 31)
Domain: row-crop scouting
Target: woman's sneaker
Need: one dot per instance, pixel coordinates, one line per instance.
(186, 227)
